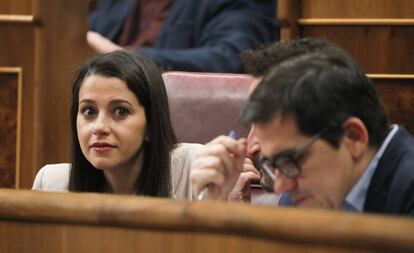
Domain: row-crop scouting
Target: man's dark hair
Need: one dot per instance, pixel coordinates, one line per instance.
(143, 78)
(259, 61)
(319, 89)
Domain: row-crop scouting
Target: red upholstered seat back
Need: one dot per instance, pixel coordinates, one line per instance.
(206, 105)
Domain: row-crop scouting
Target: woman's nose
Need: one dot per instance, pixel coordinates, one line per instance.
(101, 125)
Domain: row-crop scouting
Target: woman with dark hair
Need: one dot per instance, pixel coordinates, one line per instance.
(122, 137)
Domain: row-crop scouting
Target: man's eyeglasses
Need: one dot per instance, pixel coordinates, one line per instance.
(286, 162)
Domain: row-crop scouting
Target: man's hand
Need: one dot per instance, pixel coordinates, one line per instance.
(241, 190)
(218, 166)
(101, 44)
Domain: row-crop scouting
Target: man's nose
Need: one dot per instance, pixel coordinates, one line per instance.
(283, 183)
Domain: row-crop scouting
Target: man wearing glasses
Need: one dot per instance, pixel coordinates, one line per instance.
(324, 140)
(257, 63)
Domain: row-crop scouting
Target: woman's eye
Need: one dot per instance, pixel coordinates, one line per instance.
(121, 112)
(88, 111)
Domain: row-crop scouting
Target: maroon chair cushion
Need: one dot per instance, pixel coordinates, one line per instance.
(206, 105)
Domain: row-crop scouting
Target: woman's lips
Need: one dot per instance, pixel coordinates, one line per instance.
(102, 147)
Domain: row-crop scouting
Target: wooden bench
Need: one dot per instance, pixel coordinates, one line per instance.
(72, 222)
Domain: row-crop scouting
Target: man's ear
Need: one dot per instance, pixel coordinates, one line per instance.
(356, 137)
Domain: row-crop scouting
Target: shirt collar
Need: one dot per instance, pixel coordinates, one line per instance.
(355, 199)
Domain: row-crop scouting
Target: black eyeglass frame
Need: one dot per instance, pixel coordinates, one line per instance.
(268, 167)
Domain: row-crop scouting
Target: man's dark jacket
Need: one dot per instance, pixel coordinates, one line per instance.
(208, 35)
(391, 189)
(198, 35)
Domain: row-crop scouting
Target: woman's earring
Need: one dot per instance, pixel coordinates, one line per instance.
(147, 138)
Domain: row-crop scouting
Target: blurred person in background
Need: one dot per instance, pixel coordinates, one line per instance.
(184, 35)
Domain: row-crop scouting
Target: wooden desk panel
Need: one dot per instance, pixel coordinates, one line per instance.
(69, 222)
(19, 7)
(356, 8)
(9, 92)
(51, 238)
(378, 49)
(398, 98)
(17, 51)
(48, 43)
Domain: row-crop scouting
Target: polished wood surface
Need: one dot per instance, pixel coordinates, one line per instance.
(391, 76)
(378, 49)
(357, 9)
(17, 7)
(378, 34)
(62, 49)
(288, 12)
(397, 94)
(10, 92)
(68, 222)
(17, 19)
(46, 39)
(21, 37)
(398, 99)
(354, 21)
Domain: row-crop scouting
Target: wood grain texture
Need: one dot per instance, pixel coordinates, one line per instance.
(68, 222)
(19, 7)
(48, 50)
(51, 238)
(288, 12)
(357, 9)
(391, 76)
(62, 48)
(17, 50)
(398, 99)
(378, 49)
(378, 34)
(17, 19)
(354, 21)
(9, 83)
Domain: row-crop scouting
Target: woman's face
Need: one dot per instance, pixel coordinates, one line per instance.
(111, 123)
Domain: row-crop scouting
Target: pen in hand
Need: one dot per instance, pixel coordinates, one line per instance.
(203, 193)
